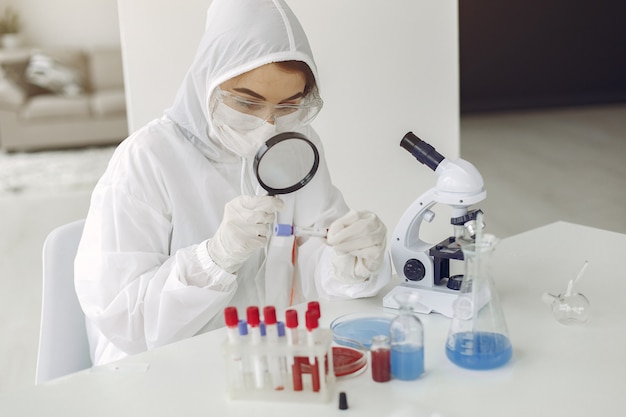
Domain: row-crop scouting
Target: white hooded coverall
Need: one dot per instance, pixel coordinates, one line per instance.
(142, 272)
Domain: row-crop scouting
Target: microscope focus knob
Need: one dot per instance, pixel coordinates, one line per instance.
(429, 216)
(454, 282)
(414, 270)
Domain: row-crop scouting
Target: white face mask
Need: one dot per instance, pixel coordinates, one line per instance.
(235, 137)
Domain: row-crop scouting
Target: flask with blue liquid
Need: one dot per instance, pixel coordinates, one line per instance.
(407, 340)
(478, 336)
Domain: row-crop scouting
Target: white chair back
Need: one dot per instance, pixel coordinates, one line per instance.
(63, 344)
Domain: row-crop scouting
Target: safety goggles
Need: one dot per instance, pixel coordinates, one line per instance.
(283, 116)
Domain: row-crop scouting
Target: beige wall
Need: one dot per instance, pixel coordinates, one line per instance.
(82, 23)
(386, 67)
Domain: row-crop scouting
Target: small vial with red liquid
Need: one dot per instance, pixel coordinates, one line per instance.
(380, 352)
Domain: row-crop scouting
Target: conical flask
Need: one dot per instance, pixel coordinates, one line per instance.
(478, 336)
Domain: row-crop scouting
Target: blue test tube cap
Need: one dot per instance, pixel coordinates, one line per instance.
(281, 328)
(282, 229)
(243, 327)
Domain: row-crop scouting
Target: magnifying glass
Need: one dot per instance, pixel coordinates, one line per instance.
(286, 163)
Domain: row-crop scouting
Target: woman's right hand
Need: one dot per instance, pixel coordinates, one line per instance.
(246, 224)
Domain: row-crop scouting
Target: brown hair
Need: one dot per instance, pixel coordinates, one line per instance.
(299, 66)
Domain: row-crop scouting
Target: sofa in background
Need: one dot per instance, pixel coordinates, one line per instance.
(61, 98)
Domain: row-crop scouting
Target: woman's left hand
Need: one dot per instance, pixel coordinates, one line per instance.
(359, 240)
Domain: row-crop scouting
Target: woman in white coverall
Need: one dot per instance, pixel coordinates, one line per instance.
(178, 226)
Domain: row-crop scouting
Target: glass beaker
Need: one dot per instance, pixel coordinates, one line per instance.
(478, 336)
(407, 340)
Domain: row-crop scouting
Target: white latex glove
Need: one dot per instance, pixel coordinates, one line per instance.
(359, 240)
(246, 224)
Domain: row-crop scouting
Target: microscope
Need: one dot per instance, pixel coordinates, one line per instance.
(425, 267)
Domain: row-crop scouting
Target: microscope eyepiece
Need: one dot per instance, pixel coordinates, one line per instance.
(421, 150)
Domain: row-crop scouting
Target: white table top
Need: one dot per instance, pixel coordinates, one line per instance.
(556, 370)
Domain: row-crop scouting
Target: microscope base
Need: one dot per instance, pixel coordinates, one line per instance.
(437, 300)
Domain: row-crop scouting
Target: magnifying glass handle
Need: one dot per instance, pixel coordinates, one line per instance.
(282, 229)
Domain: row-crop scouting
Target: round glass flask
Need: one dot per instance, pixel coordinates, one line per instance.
(407, 340)
(478, 336)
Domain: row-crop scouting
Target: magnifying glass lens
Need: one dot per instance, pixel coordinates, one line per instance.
(286, 163)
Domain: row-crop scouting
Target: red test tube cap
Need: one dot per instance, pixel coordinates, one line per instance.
(311, 320)
(230, 317)
(314, 306)
(269, 315)
(291, 319)
(252, 314)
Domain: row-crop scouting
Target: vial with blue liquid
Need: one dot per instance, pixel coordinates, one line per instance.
(407, 340)
(478, 338)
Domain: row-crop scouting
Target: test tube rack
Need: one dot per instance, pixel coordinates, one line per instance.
(297, 380)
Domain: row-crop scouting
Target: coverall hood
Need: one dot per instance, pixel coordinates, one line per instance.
(240, 35)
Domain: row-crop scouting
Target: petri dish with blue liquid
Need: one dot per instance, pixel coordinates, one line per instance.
(360, 328)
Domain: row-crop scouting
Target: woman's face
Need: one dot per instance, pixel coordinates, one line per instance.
(254, 106)
(270, 84)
